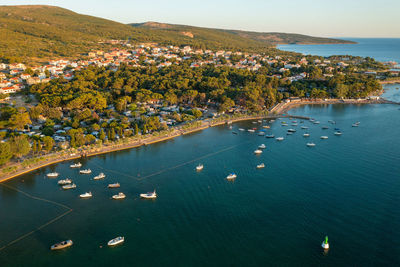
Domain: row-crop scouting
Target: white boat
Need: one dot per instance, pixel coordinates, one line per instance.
(261, 133)
(260, 166)
(149, 195)
(65, 181)
(115, 185)
(258, 151)
(338, 133)
(289, 133)
(325, 127)
(310, 144)
(69, 186)
(62, 245)
(86, 195)
(100, 176)
(116, 241)
(119, 196)
(306, 135)
(291, 130)
(87, 171)
(325, 244)
(294, 124)
(199, 167)
(241, 129)
(251, 130)
(76, 165)
(231, 176)
(304, 127)
(271, 121)
(262, 146)
(270, 136)
(52, 174)
(324, 137)
(280, 139)
(316, 122)
(266, 127)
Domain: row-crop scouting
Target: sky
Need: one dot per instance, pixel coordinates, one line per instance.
(325, 18)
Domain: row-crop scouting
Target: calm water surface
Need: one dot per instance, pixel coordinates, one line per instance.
(382, 49)
(346, 187)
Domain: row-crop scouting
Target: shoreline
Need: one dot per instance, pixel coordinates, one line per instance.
(277, 111)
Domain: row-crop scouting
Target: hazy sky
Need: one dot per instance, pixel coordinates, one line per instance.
(331, 18)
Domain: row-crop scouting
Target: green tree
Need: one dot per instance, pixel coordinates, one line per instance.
(20, 146)
(48, 143)
(5, 153)
(102, 135)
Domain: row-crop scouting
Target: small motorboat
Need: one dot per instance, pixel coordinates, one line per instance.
(258, 151)
(87, 171)
(199, 167)
(52, 174)
(316, 122)
(62, 245)
(324, 137)
(266, 127)
(291, 130)
(261, 133)
(270, 136)
(116, 241)
(325, 127)
(306, 135)
(119, 196)
(115, 185)
(234, 132)
(100, 176)
(289, 133)
(76, 165)
(294, 124)
(241, 129)
(310, 144)
(338, 133)
(69, 186)
(325, 244)
(304, 127)
(65, 181)
(262, 146)
(280, 139)
(251, 130)
(86, 195)
(231, 176)
(260, 166)
(149, 195)
(355, 124)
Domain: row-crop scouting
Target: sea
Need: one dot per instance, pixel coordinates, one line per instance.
(381, 49)
(346, 187)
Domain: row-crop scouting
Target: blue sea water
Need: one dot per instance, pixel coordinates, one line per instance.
(382, 49)
(347, 187)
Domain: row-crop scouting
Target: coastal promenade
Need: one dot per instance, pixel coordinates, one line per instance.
(277, 111)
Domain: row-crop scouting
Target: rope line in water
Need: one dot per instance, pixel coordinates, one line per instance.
(41, 226)
(170, 168)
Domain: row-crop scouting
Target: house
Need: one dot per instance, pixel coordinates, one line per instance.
(8, 90)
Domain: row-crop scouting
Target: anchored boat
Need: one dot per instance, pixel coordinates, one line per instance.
(87, 171)
(119, 196)
(258, 151)
(149, 195)
(262, 146)
(100, 176)
(116, 185)
(199, 167)
(52, 174)
(260, 166)
(116, 241)
(231, 176)
(86, 195)
(62, 245)
(69, 186)
(65, 181)
(76, 165)
(310, 144)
